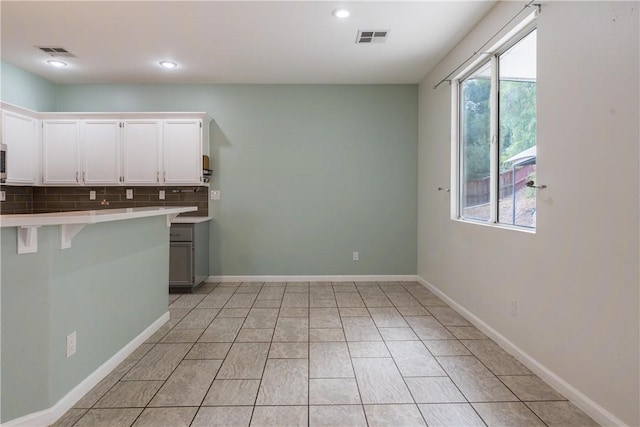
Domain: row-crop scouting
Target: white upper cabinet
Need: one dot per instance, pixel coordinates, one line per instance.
(141, 151)
(61, 152)
(104, 149)
(20, 134)
(182, 142)
(101, 152)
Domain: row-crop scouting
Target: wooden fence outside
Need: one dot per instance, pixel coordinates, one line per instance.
(477, 190)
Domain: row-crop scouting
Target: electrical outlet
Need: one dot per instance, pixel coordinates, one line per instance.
(129, 193)
(514, 308)
(161, 195)
(71, 344)
(215, 194)
(3, 196)
(92, 195)
(356, 256)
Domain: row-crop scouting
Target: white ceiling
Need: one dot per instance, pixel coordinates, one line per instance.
(234, 41)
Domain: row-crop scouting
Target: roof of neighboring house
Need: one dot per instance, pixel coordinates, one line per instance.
(523, 156)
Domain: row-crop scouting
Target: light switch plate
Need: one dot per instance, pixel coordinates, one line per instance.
(129, 193)
(3, 196)
(161, 195)
(92, 195)
(215, 194)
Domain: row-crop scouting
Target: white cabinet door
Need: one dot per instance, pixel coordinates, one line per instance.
(60, 152)
(101, 152)
(20, 134)
(141, 151)
(182, 151)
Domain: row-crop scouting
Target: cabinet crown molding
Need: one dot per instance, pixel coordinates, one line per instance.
(108, 115)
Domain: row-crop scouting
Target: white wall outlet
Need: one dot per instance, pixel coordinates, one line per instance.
(215, 194)
(161, 195)
(356, 256)
(92, 195)
(513, 308)
(71, 344)
(129, 193)
(3, 196)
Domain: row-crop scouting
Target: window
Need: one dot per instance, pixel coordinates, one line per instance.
(496, 139)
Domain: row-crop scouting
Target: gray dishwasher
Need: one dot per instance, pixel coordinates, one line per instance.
(188, 256)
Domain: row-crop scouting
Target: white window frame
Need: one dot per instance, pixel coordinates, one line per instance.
(491, 56)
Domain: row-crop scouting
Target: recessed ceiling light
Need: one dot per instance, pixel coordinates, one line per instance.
(340, 13)
(168, 64)
(56, 63)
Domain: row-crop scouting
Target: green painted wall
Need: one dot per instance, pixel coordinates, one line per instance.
(20, 87)
(308, 173)
(25, 315)
(109, 286)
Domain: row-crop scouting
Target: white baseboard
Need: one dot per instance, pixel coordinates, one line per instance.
(591, 408)
(52, 414)
(369, 278)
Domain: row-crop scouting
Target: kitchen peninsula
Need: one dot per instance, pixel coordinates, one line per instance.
(101, 275)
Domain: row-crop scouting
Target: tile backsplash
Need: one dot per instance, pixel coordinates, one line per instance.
(62, 199)
(18, 200)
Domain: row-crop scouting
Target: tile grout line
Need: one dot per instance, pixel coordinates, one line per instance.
(442, 367)
(185, 355)
(266, 360)
(437, 361)
(382, 286)
(209, 324)
(355, 377)
(308, 357)
(394, 360)
(483, 364)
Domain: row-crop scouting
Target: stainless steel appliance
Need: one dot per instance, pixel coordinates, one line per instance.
(3, 162)
(188, 256)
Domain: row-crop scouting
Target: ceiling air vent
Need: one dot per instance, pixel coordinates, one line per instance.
(56, 51)
(372, 36)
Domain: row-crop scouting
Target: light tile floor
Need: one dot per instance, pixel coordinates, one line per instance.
(320, 354)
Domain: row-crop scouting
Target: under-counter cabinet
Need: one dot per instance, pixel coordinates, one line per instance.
(60, 152)
(20, 135)
(141, 151)
(188, 256)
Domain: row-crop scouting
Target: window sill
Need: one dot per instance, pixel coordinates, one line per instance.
(496, 225)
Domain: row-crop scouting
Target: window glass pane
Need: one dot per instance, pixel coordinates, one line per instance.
(517, 130)
(475, 146)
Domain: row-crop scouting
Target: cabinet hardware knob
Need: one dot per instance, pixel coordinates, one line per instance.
(77, 177)
(158, 176)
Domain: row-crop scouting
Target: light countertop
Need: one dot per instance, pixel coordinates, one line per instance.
(190, 219)
(90, 217)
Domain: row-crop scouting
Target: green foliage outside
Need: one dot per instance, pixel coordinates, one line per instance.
(517, 117)
(517, 123)
(475, 130)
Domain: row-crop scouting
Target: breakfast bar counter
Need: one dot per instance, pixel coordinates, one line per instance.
(72, 222)
(109, 291)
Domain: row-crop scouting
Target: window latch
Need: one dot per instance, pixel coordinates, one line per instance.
(532, 184)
